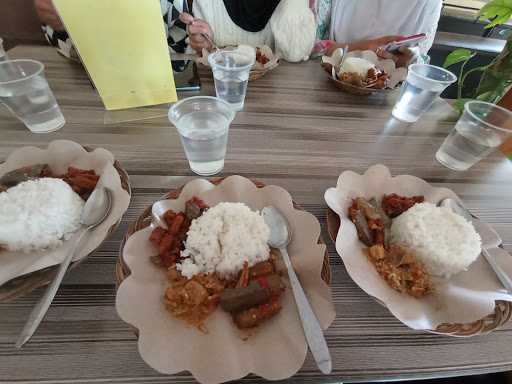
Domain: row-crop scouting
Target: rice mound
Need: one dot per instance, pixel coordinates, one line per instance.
(223, 239)
(443, 241)
(38, 214)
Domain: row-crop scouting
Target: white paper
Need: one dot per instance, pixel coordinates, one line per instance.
(276, 350)
(59, 155)
(464, 298)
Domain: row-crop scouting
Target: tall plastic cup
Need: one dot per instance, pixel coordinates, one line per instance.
(481, 128)
(26, 93)
(203, 124)
(423, 85)
(231, 67)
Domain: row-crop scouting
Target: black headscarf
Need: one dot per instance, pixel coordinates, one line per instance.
(251, 15)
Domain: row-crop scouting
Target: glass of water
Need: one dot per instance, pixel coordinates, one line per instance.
(26, 93)
(231, 68)
(3, 54)
(423, 85)
(203, 124)
(481, 128)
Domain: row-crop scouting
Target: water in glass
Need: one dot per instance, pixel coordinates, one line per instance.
(231, 88)
(204, 136)
(33, 102)
(414, 100)
(464, 147)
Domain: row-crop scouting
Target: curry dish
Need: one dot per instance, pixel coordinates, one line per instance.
(396, 264)
(251, 298)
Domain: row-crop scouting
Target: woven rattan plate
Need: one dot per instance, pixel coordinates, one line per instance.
(502, 310)
(24, 284)
(144, 220)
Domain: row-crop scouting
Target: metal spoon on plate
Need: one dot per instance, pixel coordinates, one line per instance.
(280, 237)
(488, 235)
(95, 211)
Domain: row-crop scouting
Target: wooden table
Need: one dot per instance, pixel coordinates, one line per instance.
(297, 131)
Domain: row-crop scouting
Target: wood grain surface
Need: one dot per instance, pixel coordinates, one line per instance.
(297, 131)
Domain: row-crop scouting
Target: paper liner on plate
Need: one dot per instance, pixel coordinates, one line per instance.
(466, 297)
(275, 350)
(396, 75)
(59, 155)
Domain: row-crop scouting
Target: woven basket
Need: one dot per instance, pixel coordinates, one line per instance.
(349, 88)
(24, 284)
(502, 309)
(144, 220)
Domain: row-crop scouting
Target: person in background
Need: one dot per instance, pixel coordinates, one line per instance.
(371, 24)
(54, 31)
(287, 26)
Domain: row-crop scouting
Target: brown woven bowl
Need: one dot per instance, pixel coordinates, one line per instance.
(502, 310)
(24, 284)
(256, 75)
(144, 220)
(349, 88)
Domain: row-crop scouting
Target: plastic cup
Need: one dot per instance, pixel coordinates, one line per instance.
(231, 67)
(423, 85)
(3, 54)
(203, 124)
(481, 128)
(26, 93)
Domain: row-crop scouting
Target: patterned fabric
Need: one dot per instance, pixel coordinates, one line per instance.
(176, 31)
(322, 11)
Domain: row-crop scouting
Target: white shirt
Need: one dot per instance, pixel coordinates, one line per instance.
(290, 31)
(355, 20)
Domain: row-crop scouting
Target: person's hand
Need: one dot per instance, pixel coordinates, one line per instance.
(375, 44)
(48, 14)
(364, 45)
(196, 28)
(402, 57)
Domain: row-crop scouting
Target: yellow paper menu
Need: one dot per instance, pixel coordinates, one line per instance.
(123, 45)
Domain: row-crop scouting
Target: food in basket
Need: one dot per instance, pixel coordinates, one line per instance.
(362, 73)
(397, 265)
(394, 205)
(265, 60)
(363, 70)
(410, 240)
(261, 57)
(215, 257)
(38, 209)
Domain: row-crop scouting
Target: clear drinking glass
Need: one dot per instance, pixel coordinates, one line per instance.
(423, 85)
(481, 128)
(3, 54)
(231, 68)
(203, 124)
(25, 91)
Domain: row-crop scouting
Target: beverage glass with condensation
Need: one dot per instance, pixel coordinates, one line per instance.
(423, 85)
(231, 67)
(481, 128)
(26, 93)
(203, 124)
(3, 54)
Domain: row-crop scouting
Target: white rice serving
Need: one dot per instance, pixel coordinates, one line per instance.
(443, 241)
(223, 239)
(38, 214)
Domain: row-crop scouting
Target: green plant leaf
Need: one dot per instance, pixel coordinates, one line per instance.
(457, 56)
(487, 96)
(459, 104)
(496, 11)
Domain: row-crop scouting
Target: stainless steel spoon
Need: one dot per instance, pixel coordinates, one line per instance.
(95, 211)
(490, 236)
(280, 237)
